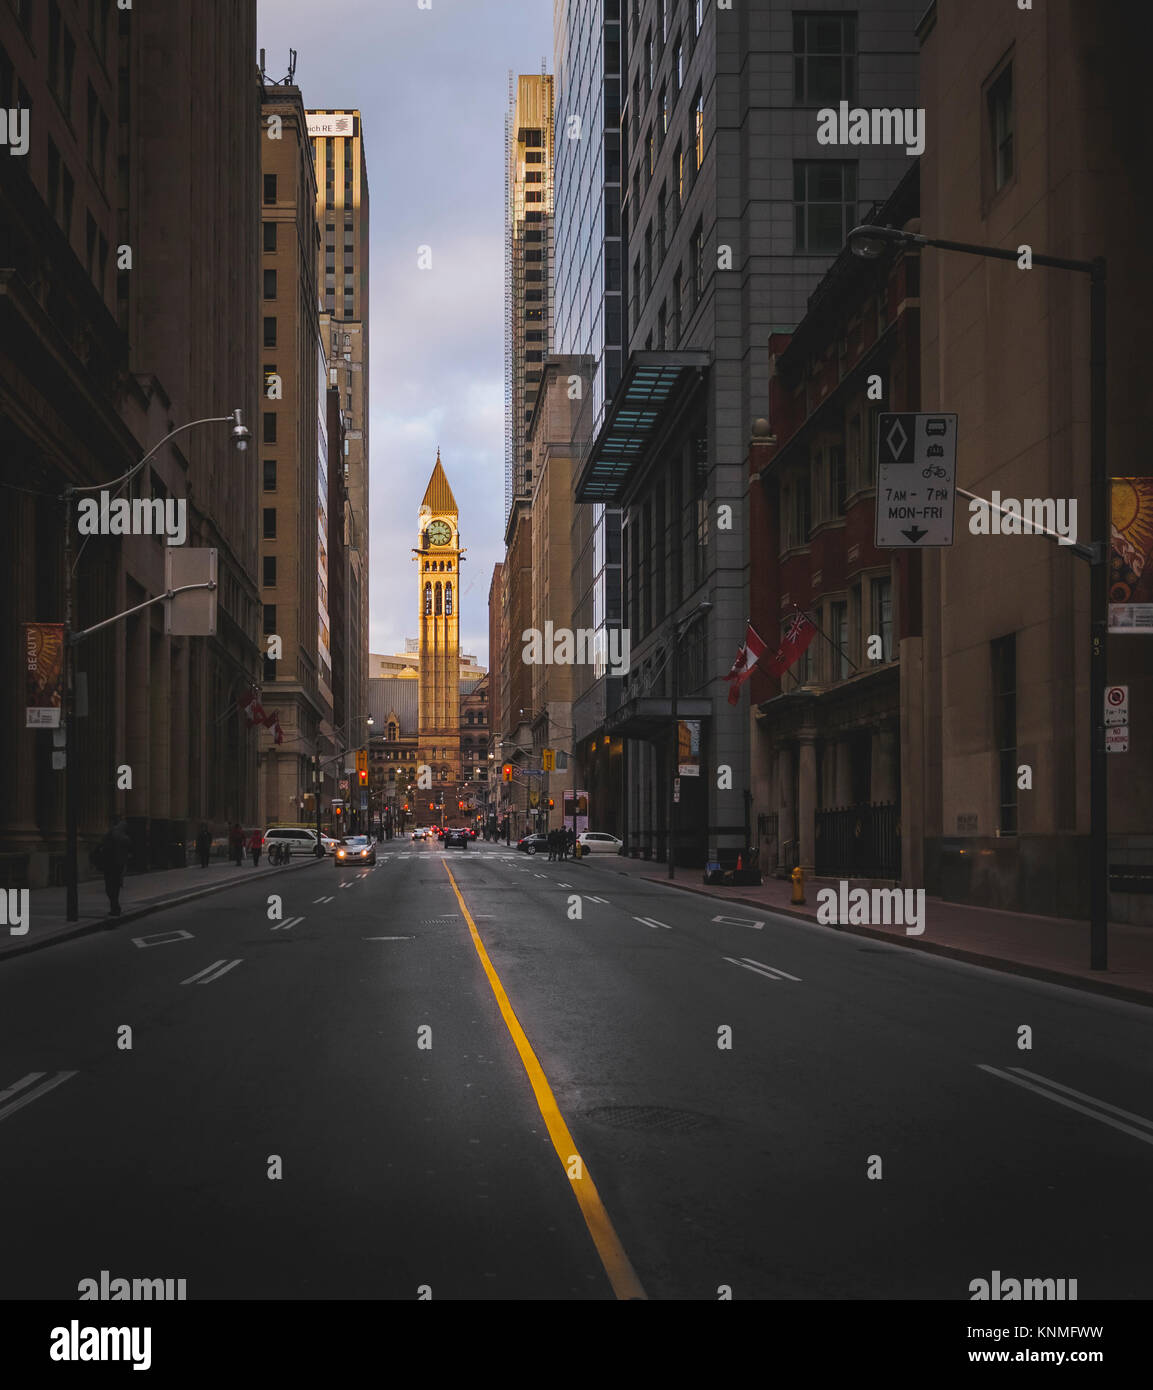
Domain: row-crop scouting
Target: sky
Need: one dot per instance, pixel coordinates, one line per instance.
(432, 88)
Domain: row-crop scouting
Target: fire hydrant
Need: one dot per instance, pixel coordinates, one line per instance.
(798, 880)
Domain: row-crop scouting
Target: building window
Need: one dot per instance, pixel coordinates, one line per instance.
(698, 15)
(427, 600)
(270, 332)
(679, 162)
(270, 475)
(439, 600)
(676, 324)
(679, 63)
(699, 128)
(824, 59)
(662, 227)
(825, 204)
(448, 600)
(269, 523)
(270, 427)
(650, 157)
(698, 250)
(270, 665)
(795, 514)
(834, 471)
(270, 284)
(881, 601)
(663, 124)
(269, 236)
(269, 575)
(651, 64)
(1000, 105)
(1004, 653)
(648, 260)
(269, 618)
(662, 328)
(270, 188)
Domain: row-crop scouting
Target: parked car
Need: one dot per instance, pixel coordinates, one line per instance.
(296, 840)
(597, 842)
(531, 843)
(355, 849)
(456, 839)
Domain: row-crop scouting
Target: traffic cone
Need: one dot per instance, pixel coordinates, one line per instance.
(738, 863)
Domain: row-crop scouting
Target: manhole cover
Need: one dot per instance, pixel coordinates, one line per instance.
(649, 1117)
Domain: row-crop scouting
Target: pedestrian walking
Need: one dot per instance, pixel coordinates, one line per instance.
(236, 845)
(111, 858)
(203, 844)
(255, 845)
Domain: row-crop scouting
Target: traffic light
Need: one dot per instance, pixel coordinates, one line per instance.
(548, 760)
(363, 775)
(362, 765)
(430, 806)
(338, 810)
(506, 772)
(550, 803)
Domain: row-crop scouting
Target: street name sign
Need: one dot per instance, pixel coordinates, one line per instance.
(916, 480)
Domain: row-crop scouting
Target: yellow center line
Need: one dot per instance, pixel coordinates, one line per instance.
(621, 1274)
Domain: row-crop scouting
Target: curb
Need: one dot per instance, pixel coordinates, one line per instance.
(935, 948)
(148, 909)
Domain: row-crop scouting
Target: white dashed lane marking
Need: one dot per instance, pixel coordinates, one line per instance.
(211, 972)
(11, 1100)
(760, 968)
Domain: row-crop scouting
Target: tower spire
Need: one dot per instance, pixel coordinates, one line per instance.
(438, 495)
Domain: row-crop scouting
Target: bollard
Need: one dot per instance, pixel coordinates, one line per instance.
(798, 878)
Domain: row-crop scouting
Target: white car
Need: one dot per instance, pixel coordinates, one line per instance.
(420, 833)
(298, 841)
(597, 842)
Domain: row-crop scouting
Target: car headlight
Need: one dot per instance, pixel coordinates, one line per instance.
(364, 854)
(340, 854)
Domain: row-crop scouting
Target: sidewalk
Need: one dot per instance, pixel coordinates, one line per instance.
(142, 895)
(1045, 948)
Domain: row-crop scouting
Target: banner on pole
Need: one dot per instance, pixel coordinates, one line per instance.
(1131, 556)
(44, 674)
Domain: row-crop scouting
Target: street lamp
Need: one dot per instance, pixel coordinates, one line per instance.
(71, 868)
(871, 242)
(679, 630)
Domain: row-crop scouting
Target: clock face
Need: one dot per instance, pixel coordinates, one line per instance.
(440, 533)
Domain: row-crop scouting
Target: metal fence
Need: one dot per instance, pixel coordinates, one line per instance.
(859, 841)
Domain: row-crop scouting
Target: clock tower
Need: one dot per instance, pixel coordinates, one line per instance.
(438, 555)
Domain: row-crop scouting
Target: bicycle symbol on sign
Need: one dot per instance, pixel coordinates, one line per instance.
(933, 471)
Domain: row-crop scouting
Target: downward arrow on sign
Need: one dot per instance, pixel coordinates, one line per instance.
(914, 533)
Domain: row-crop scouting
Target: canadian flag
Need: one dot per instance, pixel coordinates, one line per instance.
(272, 721)
(252, 709)
(748, 654)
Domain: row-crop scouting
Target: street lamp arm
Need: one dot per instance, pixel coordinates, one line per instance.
(860, 237)
(191, 424)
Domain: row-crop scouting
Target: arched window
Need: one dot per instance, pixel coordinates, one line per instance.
(437, 609)
(392, 732)
(427, 599)
(448, 599)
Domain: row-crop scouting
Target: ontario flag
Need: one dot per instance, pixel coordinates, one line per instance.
(748, 654)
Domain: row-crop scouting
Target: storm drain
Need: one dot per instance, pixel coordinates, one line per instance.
(652, 1117)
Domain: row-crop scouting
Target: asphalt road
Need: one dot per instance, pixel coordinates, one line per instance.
(728, 1116)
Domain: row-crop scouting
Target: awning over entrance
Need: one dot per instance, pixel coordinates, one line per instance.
(652, 381)
(650, 716)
